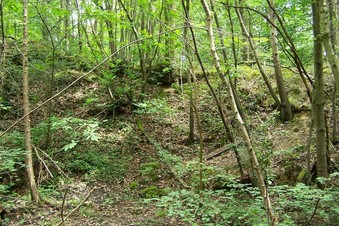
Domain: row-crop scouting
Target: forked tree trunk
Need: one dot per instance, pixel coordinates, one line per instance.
(27, 123)
(251, 152)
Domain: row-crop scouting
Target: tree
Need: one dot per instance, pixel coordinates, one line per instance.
(329, 39)
(318, 92)
(253, 48)
(246, 137)
(285, 107)
(25, 90)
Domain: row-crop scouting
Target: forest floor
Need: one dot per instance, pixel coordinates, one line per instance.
(138, 137)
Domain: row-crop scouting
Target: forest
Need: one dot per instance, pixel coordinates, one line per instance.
(169, 112)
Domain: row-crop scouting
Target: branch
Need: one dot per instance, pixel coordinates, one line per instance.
(63, 206)
(76, 208)
(314, 211)
(56, 165)
(43, 162)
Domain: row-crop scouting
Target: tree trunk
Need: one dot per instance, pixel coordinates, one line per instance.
(334, 16)
(318, 92)
(262, 72)
(228, 131)
(251, 152)
(190, 75)
(27, 123)
(285, 107)
(329, 40)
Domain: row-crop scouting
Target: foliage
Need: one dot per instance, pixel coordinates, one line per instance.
(153, 192)
(11, 161)
(80, 142)
(212, 208)
(70, 131)
(150, 170)
(154, 106)
(219, 207)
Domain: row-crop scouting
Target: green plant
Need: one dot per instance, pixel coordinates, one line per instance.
(104, 163)
(150, 170)
(154, 106)
(133, 185)
(11, 161)
(216, 207)
(153, 192)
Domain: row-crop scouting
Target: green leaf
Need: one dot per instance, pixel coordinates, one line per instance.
(70, 145)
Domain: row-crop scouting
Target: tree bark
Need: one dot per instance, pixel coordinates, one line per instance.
(27, 123)
(318, 92)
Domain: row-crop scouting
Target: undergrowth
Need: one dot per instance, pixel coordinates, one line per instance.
(242, 205)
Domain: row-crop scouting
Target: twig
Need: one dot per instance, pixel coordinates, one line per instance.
(77, 207)
(314, 211)
(221, 150)
(43, 162)
(155, 144)
(63, 206)
(56, 165)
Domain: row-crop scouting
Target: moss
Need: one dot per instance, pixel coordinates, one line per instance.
(134, 185)
(153, 192)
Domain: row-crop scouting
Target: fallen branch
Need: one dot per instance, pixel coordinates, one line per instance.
(56, 165)
(220, 150)
(76, 208)
(313, 214)
(43, 162)
(156, 145)
(63, 206)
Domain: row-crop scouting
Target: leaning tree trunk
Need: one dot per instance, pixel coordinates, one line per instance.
(318, 93)
(285, 107)
(27, 123)
(228, 131)
(329, 41)
(262, 72)
(251, 152)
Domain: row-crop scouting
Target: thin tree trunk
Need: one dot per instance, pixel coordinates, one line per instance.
(3, 49)
(135, 32)
(262, 72)
(67, 24)
(329, 41)
(333, 24)
(27, 123)
(334, 115)
(251, 152)
(294, 54)
(3, 36)
(318, 93)
(190, 139)
(332, 58)
(80, 44)
(285, 107)
(228, 131)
